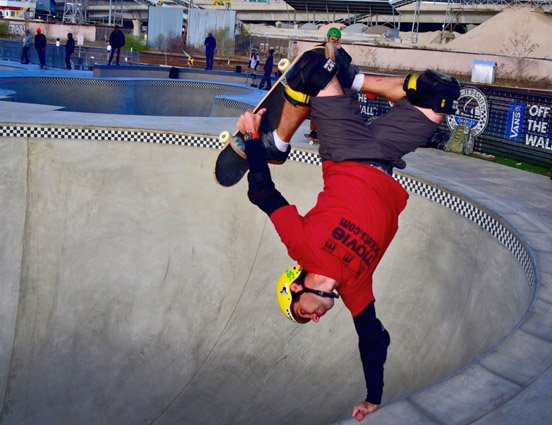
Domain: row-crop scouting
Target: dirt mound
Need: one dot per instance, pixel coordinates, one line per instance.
(324, 28)
(530, 28)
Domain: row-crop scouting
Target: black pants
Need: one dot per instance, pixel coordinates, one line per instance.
(25, 55)
(266, 78)
(209, 58)
(113, 49)
(68, 60)
(42, 57)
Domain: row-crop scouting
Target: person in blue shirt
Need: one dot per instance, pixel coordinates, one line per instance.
(267, 71)
(116, 41)
(69, 49)
(210, 46)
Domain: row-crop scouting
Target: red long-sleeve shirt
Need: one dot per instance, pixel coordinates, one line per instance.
(345, 235)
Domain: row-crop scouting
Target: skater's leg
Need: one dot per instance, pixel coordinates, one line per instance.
(390, 88)
(314, 75)
(292, 117)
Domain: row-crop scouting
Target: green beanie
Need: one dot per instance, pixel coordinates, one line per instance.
(334, 32)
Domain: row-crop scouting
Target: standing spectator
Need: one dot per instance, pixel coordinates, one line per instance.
(69, 49)
(40, 46)
(210, 46)
(116, 41)
(27, 43)
(267, 76)
(253, 64)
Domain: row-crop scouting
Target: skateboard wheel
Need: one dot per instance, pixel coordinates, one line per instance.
(224, 137)
(284, 64)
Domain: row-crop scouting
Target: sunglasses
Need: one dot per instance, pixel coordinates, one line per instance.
(301, 281)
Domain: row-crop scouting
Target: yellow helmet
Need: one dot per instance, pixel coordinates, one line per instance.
(285, 296)
(283, 290)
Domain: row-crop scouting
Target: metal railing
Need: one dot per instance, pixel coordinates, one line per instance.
(83, 58)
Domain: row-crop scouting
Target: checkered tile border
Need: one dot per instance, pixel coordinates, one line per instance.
(474, 213)
(109, 135)
(232, 104)
(477, 215)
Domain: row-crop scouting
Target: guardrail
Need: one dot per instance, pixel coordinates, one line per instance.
(83, 58)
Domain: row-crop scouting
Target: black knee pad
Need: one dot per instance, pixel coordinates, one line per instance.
(311, 73)
(433, 90)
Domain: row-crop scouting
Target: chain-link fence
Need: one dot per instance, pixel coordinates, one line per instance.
(86, 57)
(83, 57)
(244, 44)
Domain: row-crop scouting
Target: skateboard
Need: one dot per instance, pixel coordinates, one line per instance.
(230, 166)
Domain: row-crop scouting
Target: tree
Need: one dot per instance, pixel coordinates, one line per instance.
(519, 46)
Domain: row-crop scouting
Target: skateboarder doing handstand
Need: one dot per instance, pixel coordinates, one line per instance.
(341, 240)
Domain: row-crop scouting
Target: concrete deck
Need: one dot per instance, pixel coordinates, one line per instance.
(122, 303)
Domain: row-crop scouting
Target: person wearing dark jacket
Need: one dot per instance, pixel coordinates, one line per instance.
(267, 76)
(69, 49)
(40, 46)
(116, 41)
(210, 46)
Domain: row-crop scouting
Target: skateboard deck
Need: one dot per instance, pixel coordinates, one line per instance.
(230, 166)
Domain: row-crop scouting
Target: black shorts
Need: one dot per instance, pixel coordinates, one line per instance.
(343, 135)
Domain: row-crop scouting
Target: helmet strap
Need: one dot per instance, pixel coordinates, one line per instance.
(301, 282)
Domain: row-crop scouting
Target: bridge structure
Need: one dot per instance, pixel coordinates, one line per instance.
(403, 14)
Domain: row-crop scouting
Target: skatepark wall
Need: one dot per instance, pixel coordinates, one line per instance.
(154, 71)
(13, 193)
(137, 291)
(130, 96)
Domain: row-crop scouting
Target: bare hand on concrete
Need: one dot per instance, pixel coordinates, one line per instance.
(363, 409)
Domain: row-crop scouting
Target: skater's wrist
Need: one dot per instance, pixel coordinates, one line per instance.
(251, 135)
(255, 153)
(250, 122)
